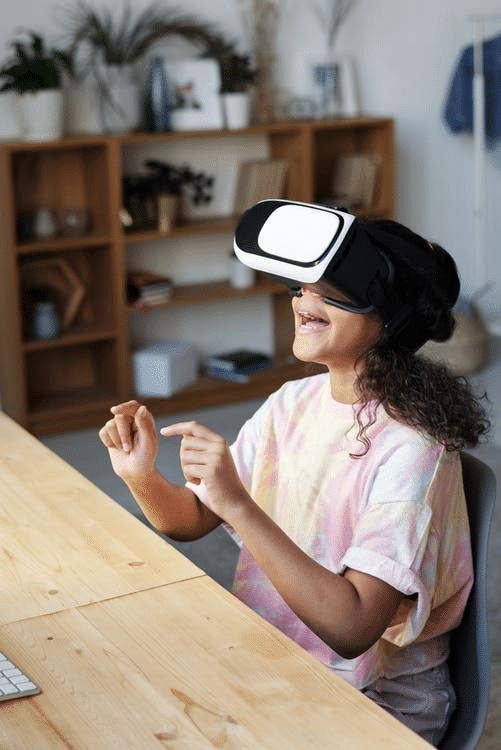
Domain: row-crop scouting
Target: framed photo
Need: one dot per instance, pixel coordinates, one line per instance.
(334, 88)
(194, 86)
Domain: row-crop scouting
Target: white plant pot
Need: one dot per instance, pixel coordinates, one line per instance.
(41, 115)
(9, 117)
(236, 106)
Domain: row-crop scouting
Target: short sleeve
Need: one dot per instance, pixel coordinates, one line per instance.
(399, 538)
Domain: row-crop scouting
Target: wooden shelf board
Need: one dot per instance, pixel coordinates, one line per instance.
(218, 224)
(209, 391)
(281, 126)
(82, 334)
(70, 402)
(189, 294)
(59, 244)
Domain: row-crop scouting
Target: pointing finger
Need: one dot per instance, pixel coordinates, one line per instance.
(188, 428)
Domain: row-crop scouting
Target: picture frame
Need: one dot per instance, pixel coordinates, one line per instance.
(195, 99)
(334, 88)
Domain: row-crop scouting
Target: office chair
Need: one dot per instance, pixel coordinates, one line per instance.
(469, 649)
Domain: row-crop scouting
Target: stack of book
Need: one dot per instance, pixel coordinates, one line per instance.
(237, 365)
(146, 288)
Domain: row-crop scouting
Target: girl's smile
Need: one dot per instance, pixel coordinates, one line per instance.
(330, 336)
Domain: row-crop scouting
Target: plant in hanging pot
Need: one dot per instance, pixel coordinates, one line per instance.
(34, 72)
(108, 45)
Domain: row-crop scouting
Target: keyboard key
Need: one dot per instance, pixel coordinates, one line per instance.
(14, 683)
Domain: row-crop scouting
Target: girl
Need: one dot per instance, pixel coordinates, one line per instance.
(345, 488)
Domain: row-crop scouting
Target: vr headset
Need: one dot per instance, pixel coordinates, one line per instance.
(302, 243)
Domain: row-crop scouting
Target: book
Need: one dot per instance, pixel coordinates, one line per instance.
(240, 360)
(145, 287)
(354, 180)
(259, 179)
(221, 373)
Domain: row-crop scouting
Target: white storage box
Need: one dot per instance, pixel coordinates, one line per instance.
(163, 368)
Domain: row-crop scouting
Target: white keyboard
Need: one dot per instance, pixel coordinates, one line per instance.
(13, 682)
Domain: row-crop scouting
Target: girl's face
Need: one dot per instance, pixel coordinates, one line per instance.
(328, 335)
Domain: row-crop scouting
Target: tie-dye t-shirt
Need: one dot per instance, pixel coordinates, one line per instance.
(398, 513)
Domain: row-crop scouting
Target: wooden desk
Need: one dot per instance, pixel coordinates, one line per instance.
(142, 664)
(63, 542)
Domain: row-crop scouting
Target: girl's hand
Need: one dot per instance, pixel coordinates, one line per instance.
(205, 456)
(131, 440)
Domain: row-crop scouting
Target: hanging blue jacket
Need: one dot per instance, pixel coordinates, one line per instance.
(458, 112)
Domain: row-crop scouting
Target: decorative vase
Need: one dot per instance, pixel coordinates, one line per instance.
(41, 115)
(83, 108)
(156, 103)
(44, 225)
(265, 99)
(46, 321)
(241, 276)
(120, 99)
(168, 209)
(236, 107)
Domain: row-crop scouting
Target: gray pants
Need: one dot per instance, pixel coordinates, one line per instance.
(424, 702)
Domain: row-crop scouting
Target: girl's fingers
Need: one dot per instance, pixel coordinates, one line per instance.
(109, 435)
(188, 428)
(128, 407)
(124, 424)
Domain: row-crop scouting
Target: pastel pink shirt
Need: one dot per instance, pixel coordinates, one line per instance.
(398, 513)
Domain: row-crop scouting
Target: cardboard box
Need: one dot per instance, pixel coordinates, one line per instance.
(163, 368)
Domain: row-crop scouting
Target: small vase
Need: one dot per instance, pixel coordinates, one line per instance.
(156, 103)
(44, 225)
(241, 276)
(46, 322)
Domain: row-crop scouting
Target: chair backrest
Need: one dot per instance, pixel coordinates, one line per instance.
(469, 657)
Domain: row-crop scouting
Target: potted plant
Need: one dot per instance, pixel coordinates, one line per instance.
(108, 44)
(237, 77)
(34, 72)
(154, 198)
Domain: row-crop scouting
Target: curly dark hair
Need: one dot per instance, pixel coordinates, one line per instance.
(412, 389)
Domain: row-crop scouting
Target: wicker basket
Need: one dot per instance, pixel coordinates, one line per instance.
(465, 352)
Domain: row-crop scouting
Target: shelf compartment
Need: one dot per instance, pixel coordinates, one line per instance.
(80, 334)
(70, 378)
(93, 268)
(355, 137)
(63, 178)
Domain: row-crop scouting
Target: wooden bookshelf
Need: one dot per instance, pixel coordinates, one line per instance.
(71, 382)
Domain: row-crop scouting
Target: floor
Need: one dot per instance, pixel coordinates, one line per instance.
(216, 554)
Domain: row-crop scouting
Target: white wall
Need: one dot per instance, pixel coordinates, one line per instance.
(405, 53)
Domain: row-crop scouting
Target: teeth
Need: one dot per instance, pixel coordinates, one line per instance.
(314, 318)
